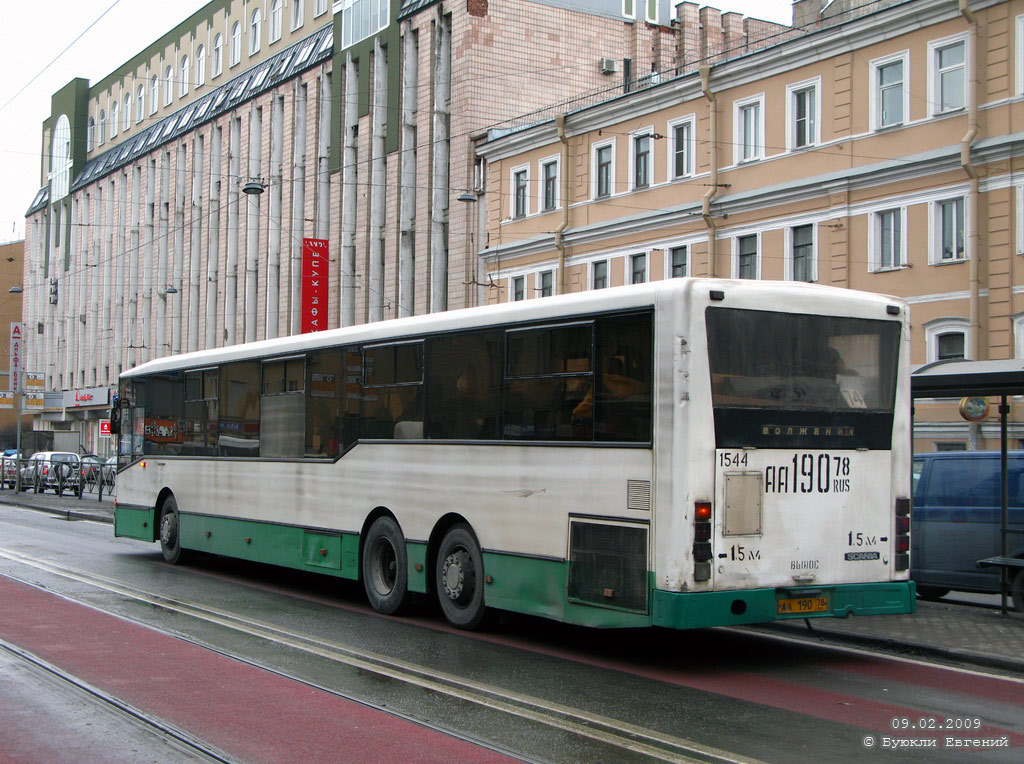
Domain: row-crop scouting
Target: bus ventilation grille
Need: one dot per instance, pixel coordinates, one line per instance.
(608, 565)
(638, 495)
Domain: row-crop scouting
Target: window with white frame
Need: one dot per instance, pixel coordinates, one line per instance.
(803, 114)
(320, 7)
(200, 65)
(801, 253)
(90, 135)
(949, 234)
(520, 192)
(604, 170)
(549, 177)
(255, 32)
(638, 268)
(185, 74)
(217, 61)
(652, 11)
(236, 43)
(641, 157)
(946, 339)
(60, 158)
(298, 14)
(599, 274)
(518, 288)
(276, 17)
(748, 116)
(889, 95)
(888, 243)
(101, 132)
(115, 119)
(140, 104)
(745, 264)
(680, 134)
(168, 85)
(361, 19)
(154, 94)
(546, 285)
(947, 78)
(127, 112)
(629, 9)
(679, 262)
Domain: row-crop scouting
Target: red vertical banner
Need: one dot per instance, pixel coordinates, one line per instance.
(314, 285)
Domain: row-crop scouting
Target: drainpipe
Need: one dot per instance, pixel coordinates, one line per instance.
(973, 198)
(705, 206)
(559, 240)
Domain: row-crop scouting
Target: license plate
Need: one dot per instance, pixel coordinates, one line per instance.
(798, 605)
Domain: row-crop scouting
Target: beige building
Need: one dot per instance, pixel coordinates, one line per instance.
(11, 266)
(878, 150)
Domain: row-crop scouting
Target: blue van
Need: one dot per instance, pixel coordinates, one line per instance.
(957, 519)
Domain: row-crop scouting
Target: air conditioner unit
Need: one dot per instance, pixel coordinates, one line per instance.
(608, 65)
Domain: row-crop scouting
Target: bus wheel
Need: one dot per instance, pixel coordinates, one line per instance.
(385, 567)
(460, 578)
(170, 541)
(1017, 591)
(931, 592)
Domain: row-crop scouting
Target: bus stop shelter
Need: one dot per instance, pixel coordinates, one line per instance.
(982, 379)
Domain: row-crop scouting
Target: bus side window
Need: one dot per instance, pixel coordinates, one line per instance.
(622, 402)
(393, 391)
(324, 402)
(463, 386)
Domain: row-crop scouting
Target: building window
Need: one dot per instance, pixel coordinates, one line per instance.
(629, 9)
(127, 112)
(681, 149)
(115, 118)
(642, 160)
(255, 32)
(319, 7)
(604, 170)
(90, 135)
(520, 185)
(749, 117)
(236, 43)
(140, 104)
(889, 94)
(888, 240)
(168, 85)
(102, 130)
(361, 19)
(803, 115)
(200, 65)
(549, 172)
(746, 256)
(679, 265)
(946, 339)
(949, 76)
(519, 288)
(802, 246)
(276, 16)
(638, 268)
(217, 64)
(154, 94)
(185, 73)
(599, 274)
(298, 13)
(949, 233)
(60, 160)
(547, 283)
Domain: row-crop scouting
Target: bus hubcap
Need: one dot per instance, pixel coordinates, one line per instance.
(168, 531)
(454, 572)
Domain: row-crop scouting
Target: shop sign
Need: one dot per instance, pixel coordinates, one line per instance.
(91, 396)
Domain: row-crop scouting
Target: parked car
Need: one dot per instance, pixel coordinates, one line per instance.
(957, 520)
(92, 466)
(110, 471)
(57, 470)
(10, 468)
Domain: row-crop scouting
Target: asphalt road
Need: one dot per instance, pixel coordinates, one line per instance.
(252, 663)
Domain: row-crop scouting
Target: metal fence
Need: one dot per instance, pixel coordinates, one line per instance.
(93, 479)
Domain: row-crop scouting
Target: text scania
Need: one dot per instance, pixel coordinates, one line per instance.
(809, 473)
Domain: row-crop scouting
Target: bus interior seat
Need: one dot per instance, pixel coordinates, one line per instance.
(409, 430)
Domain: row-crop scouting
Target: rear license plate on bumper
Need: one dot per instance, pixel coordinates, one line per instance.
(799, 605)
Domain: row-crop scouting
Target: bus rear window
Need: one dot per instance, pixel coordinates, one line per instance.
(762, 359)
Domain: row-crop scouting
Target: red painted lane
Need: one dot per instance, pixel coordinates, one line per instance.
(249, 713)
(789, 695)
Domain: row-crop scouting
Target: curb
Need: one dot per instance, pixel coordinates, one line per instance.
(68, 514)
(866, 640)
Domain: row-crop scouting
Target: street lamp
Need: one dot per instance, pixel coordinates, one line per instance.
(15, 290)
(254, 186)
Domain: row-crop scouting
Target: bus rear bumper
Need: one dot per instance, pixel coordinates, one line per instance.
(695, 610)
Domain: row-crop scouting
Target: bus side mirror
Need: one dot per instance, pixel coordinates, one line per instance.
(115, 420)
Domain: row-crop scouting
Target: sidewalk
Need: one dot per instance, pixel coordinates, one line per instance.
(963, 633)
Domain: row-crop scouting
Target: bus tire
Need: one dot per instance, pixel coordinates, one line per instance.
(170, 537)
(385, 567)
(1017, 591)
(459, 578)
(931, 592)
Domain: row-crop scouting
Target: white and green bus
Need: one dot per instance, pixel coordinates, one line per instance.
(685, 453)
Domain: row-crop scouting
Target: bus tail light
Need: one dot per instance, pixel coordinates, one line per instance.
(902, 510)
(702, 541)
